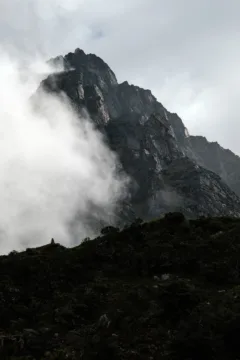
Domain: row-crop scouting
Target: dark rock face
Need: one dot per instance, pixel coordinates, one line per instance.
(210, 155)
(213, 157)
(170, 170)
(200, 189)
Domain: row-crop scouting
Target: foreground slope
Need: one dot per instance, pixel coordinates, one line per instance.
(168, 289)
(149, 140)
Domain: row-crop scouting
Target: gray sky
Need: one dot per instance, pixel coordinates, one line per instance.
(186, 51)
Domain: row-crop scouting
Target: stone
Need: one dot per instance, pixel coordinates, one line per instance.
(170, 170)
(104, 321)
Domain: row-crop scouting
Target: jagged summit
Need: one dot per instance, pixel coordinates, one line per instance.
(78, 60)
(153, 145)
(79, 52)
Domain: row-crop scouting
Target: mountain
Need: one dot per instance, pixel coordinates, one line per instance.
(168, 289)
(169, 169)
(214, 157)
(210, 155)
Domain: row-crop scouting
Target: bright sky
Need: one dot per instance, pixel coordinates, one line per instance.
(187, 52)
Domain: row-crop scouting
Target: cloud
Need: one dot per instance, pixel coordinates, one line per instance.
(54, 167)
(185, 51)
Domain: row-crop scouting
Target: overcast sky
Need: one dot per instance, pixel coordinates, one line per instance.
(186, 51)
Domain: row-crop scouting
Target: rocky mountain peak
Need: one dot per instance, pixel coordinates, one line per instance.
(169, 168)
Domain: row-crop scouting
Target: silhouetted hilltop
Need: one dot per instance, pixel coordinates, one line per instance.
(167, 289)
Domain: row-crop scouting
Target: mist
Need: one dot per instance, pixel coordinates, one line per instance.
(54, 167)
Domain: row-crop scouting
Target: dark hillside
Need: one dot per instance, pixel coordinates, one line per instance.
(168, 289)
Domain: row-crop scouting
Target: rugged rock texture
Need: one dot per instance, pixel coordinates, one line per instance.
(213, 157)
(210, 155)
(201, 190)
(168, 289)
(153, 144)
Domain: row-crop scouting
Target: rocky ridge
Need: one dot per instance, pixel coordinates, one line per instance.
(169, 169)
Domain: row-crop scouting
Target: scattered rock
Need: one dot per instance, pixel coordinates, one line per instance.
(165, 277)
(104, 321)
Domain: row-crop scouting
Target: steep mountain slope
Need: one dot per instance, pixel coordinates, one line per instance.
(212, 156)
(168, 289)
(152, 143)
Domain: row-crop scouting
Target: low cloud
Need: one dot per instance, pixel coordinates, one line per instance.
(54, 167)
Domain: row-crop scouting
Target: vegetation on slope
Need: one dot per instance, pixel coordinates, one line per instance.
(168, 289)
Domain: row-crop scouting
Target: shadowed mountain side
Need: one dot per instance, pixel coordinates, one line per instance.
(149, 141)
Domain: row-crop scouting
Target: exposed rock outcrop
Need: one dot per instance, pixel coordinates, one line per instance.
(169, 169)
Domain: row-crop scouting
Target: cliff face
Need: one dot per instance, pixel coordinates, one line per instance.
(207, 154)
(212, 156)
(170, 170)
